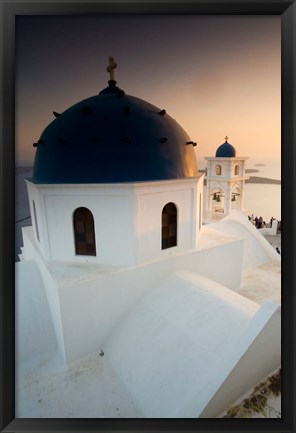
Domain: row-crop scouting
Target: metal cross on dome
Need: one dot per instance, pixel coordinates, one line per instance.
(226, 138)
(110, 68)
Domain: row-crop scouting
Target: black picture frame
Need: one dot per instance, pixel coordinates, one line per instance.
(9, 10)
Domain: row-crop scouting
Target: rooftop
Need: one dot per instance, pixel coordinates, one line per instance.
(113, 137)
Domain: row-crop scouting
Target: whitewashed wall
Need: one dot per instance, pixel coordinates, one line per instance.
(228, 181)
(34, 332)
(101, 303)
(127, 219)
(228, 165)
(84, 312)
(35, 195)
(112, 209)
(51, 288)
(171, 343)
(151, 198)
(257, 249)
(260, 346)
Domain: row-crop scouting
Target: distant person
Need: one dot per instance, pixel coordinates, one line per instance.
(278, 250)
(256, 221)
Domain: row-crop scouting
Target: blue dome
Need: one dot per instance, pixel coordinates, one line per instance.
(226, 150)
(113, 137)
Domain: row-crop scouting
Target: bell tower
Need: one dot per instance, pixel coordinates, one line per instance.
(224, 183)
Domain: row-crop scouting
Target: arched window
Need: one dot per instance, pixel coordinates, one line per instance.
(236, 170)
(169, 226)
(218, 170)
(84, 232)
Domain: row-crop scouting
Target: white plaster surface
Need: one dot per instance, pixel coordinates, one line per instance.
(32, 314)
(169, 333)
(262, 283)
(227, 183)
(101, 295)
(175, 344)
(210, 238)
(257, 250)
(258, 349)
(172, 342)
(87, 389)
(127, 219)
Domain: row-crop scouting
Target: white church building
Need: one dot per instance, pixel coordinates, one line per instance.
(119, 268)
(225, 180)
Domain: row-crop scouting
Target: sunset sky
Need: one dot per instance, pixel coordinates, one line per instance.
(216, 75)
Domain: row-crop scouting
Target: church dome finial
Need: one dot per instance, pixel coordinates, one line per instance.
(110, 68)
(112, 88)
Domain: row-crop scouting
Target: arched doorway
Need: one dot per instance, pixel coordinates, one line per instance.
(84, 232)
(169, 226)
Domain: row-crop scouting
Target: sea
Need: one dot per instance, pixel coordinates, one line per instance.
(260, 199)
(264, 199)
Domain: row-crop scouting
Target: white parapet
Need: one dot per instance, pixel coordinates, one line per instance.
(259, 346)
